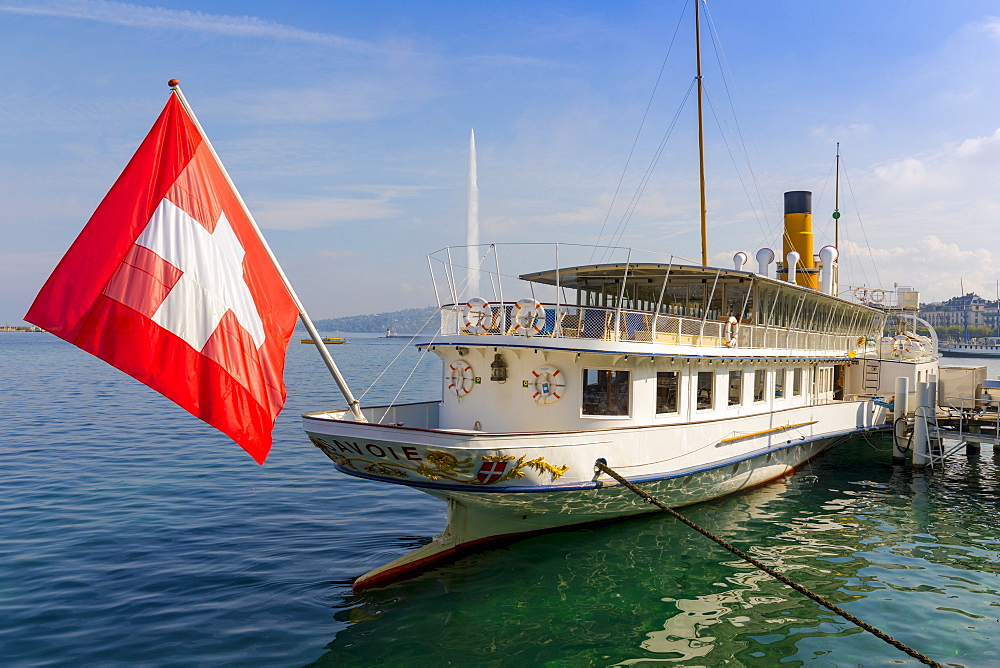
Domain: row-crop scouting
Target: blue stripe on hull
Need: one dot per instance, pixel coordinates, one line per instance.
(680, 473)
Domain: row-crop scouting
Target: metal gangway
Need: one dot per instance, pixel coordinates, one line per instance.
(938, 429)
(969, 421)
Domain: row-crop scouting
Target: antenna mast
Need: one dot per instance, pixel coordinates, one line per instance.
(836, 203)
(701, 137)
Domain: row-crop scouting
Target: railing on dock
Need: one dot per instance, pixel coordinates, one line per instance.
(611, 324)
(964, 422)
(968, 419)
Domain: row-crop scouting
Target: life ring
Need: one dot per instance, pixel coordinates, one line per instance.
(860, 294)
(461, 378)
(878, 296)
(477, 310)
(732, 332)
(527, 314)
(549, 385)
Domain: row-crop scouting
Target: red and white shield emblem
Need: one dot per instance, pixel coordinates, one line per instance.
(491, 472)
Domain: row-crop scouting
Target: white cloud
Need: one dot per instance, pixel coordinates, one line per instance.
(120, 13)
(991, 25)
(937, 269)
(905, 173)
(979, 147)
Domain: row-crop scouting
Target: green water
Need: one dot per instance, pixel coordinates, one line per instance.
(133, 534)
(913, 555)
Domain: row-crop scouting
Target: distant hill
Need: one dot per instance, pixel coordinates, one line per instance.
(407, 321)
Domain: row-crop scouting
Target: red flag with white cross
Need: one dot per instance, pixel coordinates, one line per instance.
(170, 283)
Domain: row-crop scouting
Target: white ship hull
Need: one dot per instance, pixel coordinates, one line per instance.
(548, 480)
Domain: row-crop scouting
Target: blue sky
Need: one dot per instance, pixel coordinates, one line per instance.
(345, 126)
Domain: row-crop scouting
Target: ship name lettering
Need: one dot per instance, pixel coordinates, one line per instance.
(348, 447)
(378, 451)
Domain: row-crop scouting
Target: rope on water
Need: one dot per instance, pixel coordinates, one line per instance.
(770, 571)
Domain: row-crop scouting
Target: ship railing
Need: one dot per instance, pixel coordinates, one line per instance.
(611, 324)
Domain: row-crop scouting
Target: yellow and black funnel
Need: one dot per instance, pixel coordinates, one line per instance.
(799, 236)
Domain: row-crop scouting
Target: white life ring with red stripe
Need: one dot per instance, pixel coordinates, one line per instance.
(549, 385)
(461, 378)
(529, 317)
(477, 315)
(732, 332)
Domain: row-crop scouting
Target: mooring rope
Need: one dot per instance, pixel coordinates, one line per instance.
(770, 571)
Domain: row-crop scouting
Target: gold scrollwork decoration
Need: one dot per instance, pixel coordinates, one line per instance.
(382, 469)
(442, 465)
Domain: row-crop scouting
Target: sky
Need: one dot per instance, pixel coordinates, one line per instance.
(345, 126)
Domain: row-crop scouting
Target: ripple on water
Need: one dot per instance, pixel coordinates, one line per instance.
(135, 534)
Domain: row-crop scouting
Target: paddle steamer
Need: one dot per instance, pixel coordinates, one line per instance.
(694, 381)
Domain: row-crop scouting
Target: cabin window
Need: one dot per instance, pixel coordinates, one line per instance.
(797, 382)
(605, 392)
(705, 381)
(779, 383)
(825, 381)
(666, 391)
(759, 383)
(735, 388)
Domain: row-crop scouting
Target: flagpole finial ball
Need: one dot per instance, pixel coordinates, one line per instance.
(173, 83)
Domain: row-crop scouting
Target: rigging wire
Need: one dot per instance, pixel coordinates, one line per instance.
(464, 285)
(402, 349)
(647, 175)
(822, 193)
(850, 189)
(735, 130)
(727, 75)
(642, 124)
(723, 125)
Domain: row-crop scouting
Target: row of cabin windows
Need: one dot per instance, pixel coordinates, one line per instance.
(606, 392)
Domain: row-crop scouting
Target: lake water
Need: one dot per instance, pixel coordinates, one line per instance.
(132, 533)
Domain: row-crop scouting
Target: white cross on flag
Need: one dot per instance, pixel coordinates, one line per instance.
(170, 283)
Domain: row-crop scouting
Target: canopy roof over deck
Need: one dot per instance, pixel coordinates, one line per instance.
(697, 291)
(596, 276)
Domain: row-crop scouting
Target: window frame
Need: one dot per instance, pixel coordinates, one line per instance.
(698, 389)
(739, 387)
(608, 391)
(762, 375)
(677, 392)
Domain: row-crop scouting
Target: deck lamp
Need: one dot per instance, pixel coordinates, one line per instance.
(499, 368)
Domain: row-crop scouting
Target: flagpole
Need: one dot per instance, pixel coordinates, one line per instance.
(353, 403)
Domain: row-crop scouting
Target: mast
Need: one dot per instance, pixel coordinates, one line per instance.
(701, 136)
(836, 203)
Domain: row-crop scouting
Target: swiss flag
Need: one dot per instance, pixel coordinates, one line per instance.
(169, 283)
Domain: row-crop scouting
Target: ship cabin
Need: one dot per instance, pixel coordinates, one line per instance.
(633, 344)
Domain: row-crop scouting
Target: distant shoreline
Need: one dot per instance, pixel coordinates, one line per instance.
(20, 328)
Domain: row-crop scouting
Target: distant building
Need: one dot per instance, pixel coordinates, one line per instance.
(968, 310)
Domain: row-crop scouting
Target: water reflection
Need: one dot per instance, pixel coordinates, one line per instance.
(895, 548)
